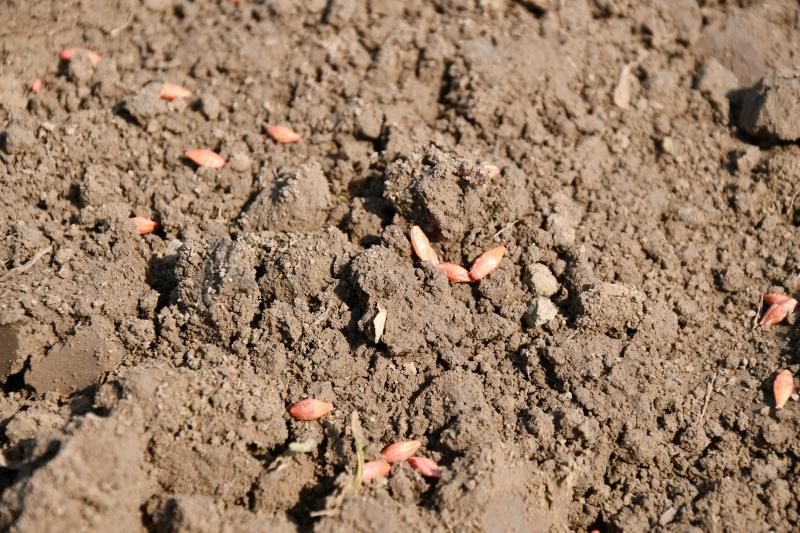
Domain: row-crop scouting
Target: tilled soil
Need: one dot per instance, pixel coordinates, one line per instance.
(608, 375)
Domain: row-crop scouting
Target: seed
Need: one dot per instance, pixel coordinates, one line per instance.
(422, 246)
(492, 171)
(780, 305)
(487, 262)
(144, 225)
(401, 450)
(783, 388)
(374, 469)
(37, 85)
(171, 91)
(310, 409)
(68, 53)
(455, 272)
(206, 158)
(283, 134)
(426, 467)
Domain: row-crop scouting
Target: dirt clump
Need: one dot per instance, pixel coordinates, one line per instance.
(636, 160)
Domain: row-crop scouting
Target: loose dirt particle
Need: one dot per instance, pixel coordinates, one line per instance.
(400, 451)
(206, 158)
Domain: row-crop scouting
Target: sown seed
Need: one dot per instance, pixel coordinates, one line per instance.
(422, 246)
(206, 158)
(68, 53)
(783, 388)
(171, 91)
(310, 409)
(455, 272)
(375, 469)
(492, 171)
(37, 85)
(487, 262)
(283, 134)
(426, 467)
(144, 225)
(780, 305)
(401, 450)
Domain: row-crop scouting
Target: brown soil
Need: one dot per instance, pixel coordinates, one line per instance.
(146, 379)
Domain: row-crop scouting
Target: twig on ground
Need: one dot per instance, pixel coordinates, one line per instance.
(709, 391)
(758, 311)
(25, 266)
(358, 436)
(115, 31)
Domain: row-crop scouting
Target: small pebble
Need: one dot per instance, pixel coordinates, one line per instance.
(210, 106)
(541, 280)
(540, 312)
(17, 139)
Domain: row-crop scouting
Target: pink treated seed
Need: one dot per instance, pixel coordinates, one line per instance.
(422, 246)
(783, 388)
(401, 450)
(282, 134)
(206, 158)
(487, 262)
(454, 272)
(375, 469)
(426, 467)
(310, 409)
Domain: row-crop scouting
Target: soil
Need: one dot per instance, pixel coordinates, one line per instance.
(608, 375)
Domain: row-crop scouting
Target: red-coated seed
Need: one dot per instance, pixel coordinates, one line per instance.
(375, 469)
(454, 272)
(401, 450)
(780, 305)
(171, 91)
(426, 467)
(310, 409)
(283, 134)
(422, 246)
(144, 225)
(68, 53)
(37, 85)
(206, 158)
(492, 171)
(783, 388)
(487, 262)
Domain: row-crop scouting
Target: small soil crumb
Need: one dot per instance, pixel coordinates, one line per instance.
(298, 202)
(17, 139)
(146, 104)
(611, 308)
(79, 361)
(498, 491)
(540, 312)
(771, 110)
(541, 281)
